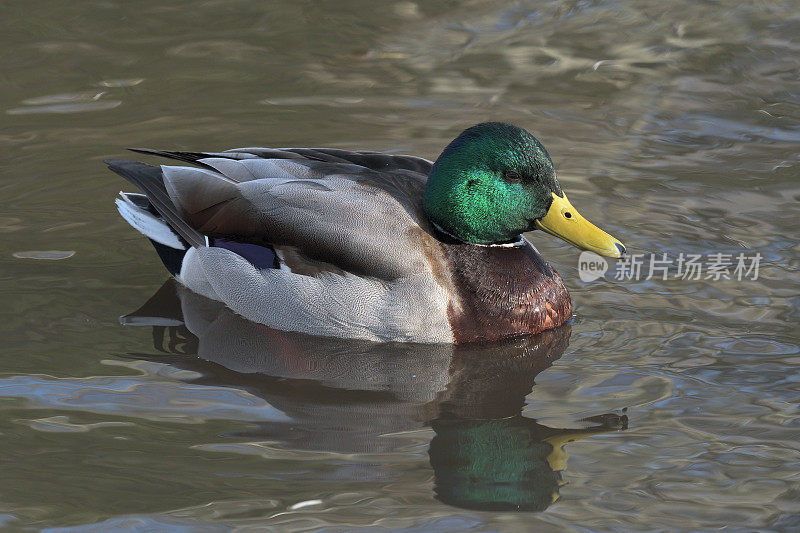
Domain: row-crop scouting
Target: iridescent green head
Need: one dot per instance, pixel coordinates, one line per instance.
(496, 181)
(490, 184)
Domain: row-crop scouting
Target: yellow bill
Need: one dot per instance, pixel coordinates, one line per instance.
(564, 221)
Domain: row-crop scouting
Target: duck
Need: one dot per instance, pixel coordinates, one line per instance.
(368, 245)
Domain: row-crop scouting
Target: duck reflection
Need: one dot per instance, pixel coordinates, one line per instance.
(352, 396)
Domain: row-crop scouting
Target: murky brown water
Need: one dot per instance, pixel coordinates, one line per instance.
(675, 125)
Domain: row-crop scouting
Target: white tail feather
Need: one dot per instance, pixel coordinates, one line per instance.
(147, 223)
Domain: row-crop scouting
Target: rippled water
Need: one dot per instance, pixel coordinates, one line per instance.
(675, 125)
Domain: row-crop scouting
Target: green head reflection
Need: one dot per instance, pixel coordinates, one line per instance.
(500, 465)
(486, 455)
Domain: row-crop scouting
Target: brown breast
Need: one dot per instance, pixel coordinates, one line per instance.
(502, 292)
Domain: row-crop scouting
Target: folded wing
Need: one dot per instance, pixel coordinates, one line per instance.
(359, 219)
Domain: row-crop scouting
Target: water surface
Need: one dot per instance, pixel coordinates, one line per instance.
(674, 125)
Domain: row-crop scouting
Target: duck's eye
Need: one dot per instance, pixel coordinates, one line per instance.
(512, 175)
(567, 214)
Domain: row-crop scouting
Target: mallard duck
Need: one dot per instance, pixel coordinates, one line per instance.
(359, 244)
